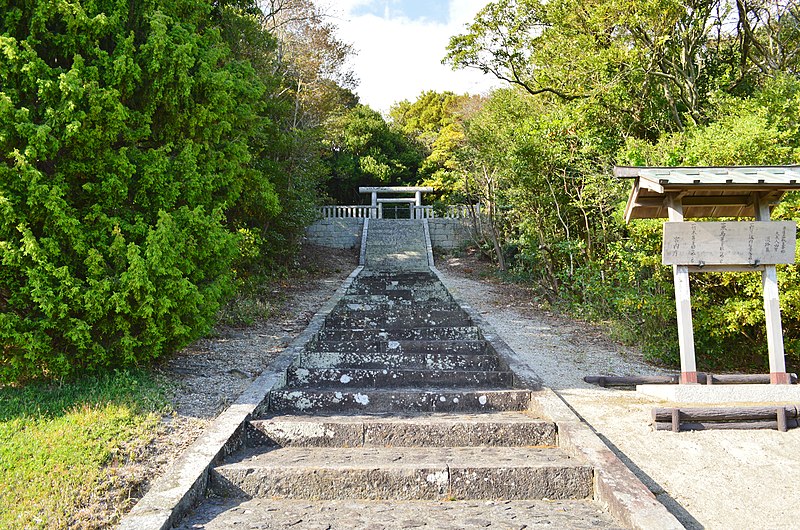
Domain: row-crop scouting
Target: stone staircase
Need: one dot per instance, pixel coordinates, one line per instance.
(399, 414)
(396, 245)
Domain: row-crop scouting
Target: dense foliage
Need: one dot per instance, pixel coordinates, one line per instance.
(145, 157)
(632, 82)
(364, 150)
(152, 159)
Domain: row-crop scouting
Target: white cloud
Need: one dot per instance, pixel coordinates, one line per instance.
(400, 58)
(464, 11)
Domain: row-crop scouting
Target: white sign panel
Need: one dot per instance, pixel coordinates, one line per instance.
(729, 243)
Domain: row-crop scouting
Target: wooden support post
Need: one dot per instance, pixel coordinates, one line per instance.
(676, 420)
(683, 303)
(772, 309)
(781, 417)
(374, 203)
(417, 203)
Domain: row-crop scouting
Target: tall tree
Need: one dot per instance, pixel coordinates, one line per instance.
(640, 59)
(362, 149)
(435, 121)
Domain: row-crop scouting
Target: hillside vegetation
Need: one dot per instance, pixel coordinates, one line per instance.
(151, 160)
(628, 82)
(154, 160)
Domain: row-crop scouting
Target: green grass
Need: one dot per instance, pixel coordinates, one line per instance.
(62, 445)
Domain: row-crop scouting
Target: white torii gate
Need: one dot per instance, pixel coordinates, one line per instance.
(377, 203)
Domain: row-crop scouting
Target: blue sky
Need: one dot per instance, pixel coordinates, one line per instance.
(400, 45)
(431, 10)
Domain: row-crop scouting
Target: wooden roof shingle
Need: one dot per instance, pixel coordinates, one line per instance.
(705, 191)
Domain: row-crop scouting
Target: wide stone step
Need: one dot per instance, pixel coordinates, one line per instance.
(345, 378)
(398, 320)
(373, 335)
(396, 308)
(369, 400)
(509, 429)
(221, 513)
(422, 292)
(376, 285)
(461, 347)
(404, 473)
(408, 361)
(389, 288)
(399, 297)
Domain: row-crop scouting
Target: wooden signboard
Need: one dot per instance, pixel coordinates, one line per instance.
(729, 243)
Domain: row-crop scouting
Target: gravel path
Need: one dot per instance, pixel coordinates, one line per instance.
(710, 479)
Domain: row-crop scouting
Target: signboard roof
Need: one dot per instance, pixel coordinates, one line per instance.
(705, 191)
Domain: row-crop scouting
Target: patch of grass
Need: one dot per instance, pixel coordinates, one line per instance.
(258, 297)
(62, 446)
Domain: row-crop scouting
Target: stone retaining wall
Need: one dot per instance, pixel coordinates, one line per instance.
(336, 233)
(450, 233)
(346, 232)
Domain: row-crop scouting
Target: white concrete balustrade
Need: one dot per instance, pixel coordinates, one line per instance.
(360, 211)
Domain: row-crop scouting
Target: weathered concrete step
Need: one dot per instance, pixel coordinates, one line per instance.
(345, 378)
(397, 311)
(220, 513)
(368, 275)
(460, 347)
(401, 280)
(415, 310)
(368, 400)
(405, 473)
(395, 245)
(377, 359)
(399, 320)
(399, 288)
(509, 429)
(372, 335)
(399, 292)
(398, 297)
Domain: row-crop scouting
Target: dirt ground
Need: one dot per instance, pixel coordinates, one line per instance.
(709, 479)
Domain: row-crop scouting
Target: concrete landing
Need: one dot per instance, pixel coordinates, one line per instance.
(269, 514)
(723, 394)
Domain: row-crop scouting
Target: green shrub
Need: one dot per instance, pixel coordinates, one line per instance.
(123, 138)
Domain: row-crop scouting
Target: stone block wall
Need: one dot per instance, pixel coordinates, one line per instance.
(346, 232)
(336, 233)
(450, 233)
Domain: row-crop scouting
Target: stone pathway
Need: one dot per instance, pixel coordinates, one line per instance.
(399, 414)
(396, 245)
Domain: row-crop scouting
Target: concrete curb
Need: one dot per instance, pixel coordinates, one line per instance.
(625, 497)
(362, 252)
(428, 244)
(183, 485)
